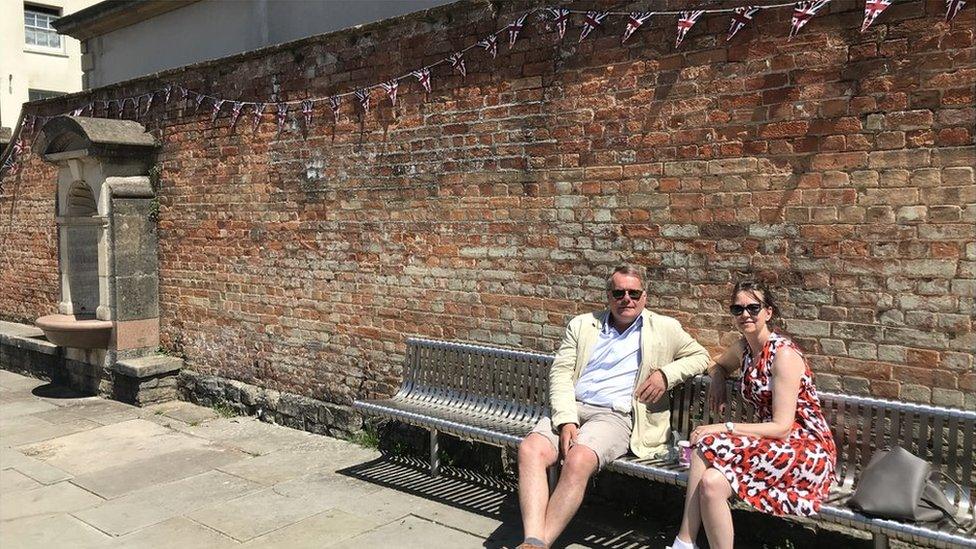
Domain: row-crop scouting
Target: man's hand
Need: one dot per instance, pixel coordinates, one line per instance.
(567, 438)
(653, 388)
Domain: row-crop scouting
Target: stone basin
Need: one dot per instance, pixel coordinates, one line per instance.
(84, 332)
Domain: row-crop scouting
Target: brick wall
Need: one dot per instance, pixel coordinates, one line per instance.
(839, 164)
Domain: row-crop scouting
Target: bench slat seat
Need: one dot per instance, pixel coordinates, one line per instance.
(496, 395)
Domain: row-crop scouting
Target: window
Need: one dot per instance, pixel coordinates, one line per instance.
(37, 27)
(35, 95)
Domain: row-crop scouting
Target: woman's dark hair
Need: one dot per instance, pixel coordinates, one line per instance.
(758, 290)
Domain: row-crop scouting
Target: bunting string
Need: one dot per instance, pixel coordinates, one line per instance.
(558, 18)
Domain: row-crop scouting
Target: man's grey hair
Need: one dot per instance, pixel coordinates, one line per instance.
(627, 269)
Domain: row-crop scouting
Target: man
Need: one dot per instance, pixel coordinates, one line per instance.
(596, 412)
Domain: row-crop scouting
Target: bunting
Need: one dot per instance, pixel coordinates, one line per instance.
(216, 111)
(423, 76)
(199, 101)
(490, 44)
(307, 108)
(362, 94)
(560, 19)
(457, 63)
(258, 111)
(281, 115)
(335, 101)
(872, 9)
(635, 20)
(952, 8)
(391, 90)
(803, 12)
(149, 102)
(592, 20)
(515, 29)
(235, 113)
(740, 18)
(686, 20)
(166, 92)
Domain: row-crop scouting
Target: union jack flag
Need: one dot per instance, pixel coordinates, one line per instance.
(686, 20)
(282, 115)
(184, 94)
(423, 76)
(391, 90)
(216, 110)
(77, 112)
(740, 18)
(514, 29)
(258, 111)
(490, 44)
(335, 101)
(560, 18)
(636, 19)
(872, 9)
(307, 112)
(803, 12)
(149, 101)
(457, 61)
(591, 20)
(235, 113)
(29, 121)
(953, 7)
(200, 98)
(166, 91)
(362, 94)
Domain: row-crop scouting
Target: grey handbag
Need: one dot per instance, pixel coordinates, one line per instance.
(896, 485)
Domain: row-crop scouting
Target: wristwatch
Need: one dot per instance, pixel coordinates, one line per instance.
(729, 426)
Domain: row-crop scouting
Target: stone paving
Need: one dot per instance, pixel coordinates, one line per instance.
(85, 472)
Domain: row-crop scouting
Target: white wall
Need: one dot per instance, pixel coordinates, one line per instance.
(24, 67)
(210, 29)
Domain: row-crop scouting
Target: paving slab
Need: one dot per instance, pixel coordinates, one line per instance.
(328, 489)
(330, 527)
(165, 501)
(248, 434)
(257, 513)
(62, 497)
(110, 445)
(411, 533)
(12, 480)
(12, 410)
(183, 411)
(129, 476)
(10, 380)
(105, 412)
(47, 531)
(34, 428)
(175, 533)
(291, 463)
(36, 469)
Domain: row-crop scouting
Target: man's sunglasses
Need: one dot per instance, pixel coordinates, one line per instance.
(753, 309)
(633, 294)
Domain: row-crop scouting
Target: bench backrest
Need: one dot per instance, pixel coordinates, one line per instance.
(944, 437)
(512, 384)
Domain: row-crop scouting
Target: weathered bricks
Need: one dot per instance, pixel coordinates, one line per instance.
(491, 211)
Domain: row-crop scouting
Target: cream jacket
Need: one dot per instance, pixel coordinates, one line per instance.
(664, 346)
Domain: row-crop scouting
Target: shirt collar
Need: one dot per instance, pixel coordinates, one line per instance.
(608, 328)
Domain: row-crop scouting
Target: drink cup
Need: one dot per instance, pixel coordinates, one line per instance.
(684, 452)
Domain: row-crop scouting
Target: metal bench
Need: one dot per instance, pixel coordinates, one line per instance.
(496, 395)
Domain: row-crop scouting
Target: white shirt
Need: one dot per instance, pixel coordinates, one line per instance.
(608, 378)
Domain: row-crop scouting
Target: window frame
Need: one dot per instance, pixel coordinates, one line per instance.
(50, 14)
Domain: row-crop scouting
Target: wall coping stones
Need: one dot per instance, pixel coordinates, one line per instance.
(23, 336)
(148, 366)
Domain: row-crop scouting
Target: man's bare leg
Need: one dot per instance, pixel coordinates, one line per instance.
(535, 455)
(579, 466)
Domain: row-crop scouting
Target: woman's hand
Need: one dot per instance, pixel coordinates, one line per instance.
(716, 391)
(704, 430)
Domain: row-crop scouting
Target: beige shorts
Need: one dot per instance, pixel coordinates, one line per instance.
(603, 430)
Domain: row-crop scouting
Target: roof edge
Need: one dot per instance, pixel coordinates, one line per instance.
(110, 15)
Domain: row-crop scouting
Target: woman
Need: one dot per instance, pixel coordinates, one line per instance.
(783, 465)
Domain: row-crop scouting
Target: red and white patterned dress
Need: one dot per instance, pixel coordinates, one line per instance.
(789, 476)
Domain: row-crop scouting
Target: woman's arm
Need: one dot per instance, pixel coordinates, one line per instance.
(720, 369)
(787, 371)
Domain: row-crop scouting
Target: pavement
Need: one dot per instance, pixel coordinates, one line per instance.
(85, 472)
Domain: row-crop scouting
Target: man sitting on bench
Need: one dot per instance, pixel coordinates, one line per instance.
(596, 412)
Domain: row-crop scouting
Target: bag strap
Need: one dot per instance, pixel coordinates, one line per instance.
(948, 513)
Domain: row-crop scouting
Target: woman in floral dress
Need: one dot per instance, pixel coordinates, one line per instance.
(784, 464)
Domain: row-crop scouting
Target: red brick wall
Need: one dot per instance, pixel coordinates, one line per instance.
(839, 164)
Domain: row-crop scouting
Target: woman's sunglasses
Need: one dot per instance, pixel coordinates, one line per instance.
(753, 309)
(633, 294)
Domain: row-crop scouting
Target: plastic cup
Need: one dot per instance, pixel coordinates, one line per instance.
(684, 452)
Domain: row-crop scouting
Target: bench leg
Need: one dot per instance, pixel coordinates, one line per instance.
(880, 541)
(435, 463)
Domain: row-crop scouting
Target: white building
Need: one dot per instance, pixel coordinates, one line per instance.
(35, 61)
(125, 39)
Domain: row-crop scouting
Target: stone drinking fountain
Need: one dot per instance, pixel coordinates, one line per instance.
(107, 321)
